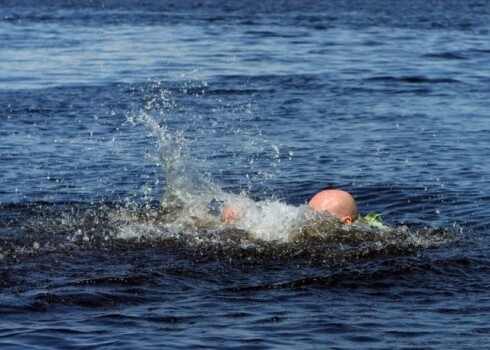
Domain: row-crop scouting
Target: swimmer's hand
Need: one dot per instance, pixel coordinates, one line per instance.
(231, 215)
(371, 219)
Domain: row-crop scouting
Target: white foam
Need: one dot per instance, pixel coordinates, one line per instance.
(267, 220)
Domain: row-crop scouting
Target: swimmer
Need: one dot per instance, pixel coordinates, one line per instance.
(336, 202)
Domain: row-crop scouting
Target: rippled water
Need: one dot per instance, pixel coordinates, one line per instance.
(109, 108)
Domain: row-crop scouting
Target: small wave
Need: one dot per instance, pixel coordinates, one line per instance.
(447, 55)
(45, 301)
(385, 275)
(481, 51)
(412, 79)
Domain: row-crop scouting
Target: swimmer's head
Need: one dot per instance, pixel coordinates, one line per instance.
(338, 203)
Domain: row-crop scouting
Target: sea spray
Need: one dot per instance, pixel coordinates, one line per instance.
(192, 205)
(192, 202)
(188, 190)
(190, 193)
(184, 179)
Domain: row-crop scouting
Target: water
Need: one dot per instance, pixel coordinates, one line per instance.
(121, 121)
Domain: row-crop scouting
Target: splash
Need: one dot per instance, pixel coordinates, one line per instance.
(193, 201)
(192, 205)
(185, 182)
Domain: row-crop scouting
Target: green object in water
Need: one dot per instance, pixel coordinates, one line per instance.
(371, 219)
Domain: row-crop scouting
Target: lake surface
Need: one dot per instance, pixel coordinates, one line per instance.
(109, 108)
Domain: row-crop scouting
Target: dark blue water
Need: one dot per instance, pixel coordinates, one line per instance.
(389, 100)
